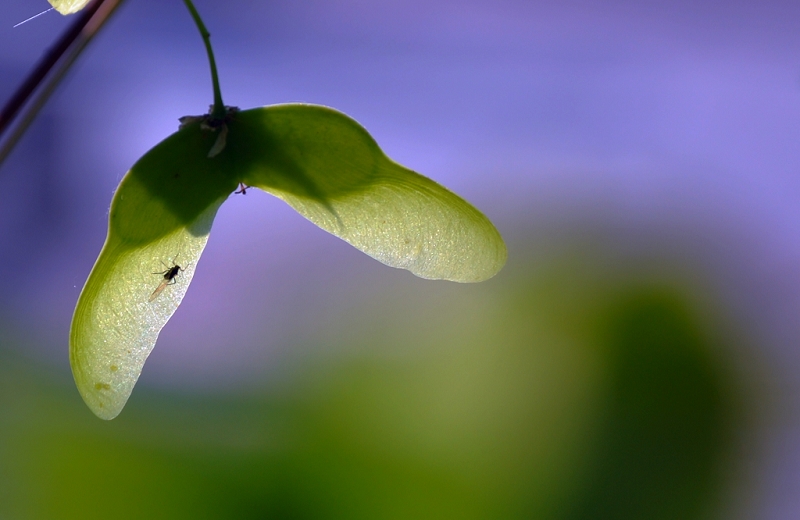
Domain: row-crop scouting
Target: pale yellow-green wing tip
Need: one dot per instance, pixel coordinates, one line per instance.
(329, 169)
(125, 303)
(158, 226)
(68, 6)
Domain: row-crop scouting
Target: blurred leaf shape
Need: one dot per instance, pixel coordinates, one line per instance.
(569, 394)
(318, 160)
(68, 6)
(668, 416)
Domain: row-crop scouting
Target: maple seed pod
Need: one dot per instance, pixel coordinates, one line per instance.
(320, 162)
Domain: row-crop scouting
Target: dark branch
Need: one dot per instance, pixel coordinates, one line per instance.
(50, 69)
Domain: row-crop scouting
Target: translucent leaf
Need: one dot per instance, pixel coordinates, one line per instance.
(318, 160)
(328, 168)
(68, 6)
(160, 217)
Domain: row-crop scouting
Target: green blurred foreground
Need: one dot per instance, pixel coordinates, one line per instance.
(571, 394)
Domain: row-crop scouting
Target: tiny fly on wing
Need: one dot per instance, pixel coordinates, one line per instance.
(169, 279)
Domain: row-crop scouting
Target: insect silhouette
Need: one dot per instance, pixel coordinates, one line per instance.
(169, 279)
(244, 187)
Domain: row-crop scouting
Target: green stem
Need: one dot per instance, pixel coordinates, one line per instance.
(218, 112)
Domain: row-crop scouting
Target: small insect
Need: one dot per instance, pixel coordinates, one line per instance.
(243, 188)
(169, 279)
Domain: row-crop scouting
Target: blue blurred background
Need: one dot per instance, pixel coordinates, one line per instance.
(637, 357)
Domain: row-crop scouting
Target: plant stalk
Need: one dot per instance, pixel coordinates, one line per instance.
(34, 92)
(218, 112)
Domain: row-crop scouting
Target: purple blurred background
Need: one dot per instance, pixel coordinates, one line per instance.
(661, 126)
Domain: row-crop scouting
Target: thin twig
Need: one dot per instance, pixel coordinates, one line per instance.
(42, 81)
(218, 112)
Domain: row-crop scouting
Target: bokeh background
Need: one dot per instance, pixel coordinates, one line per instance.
(637, 358)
